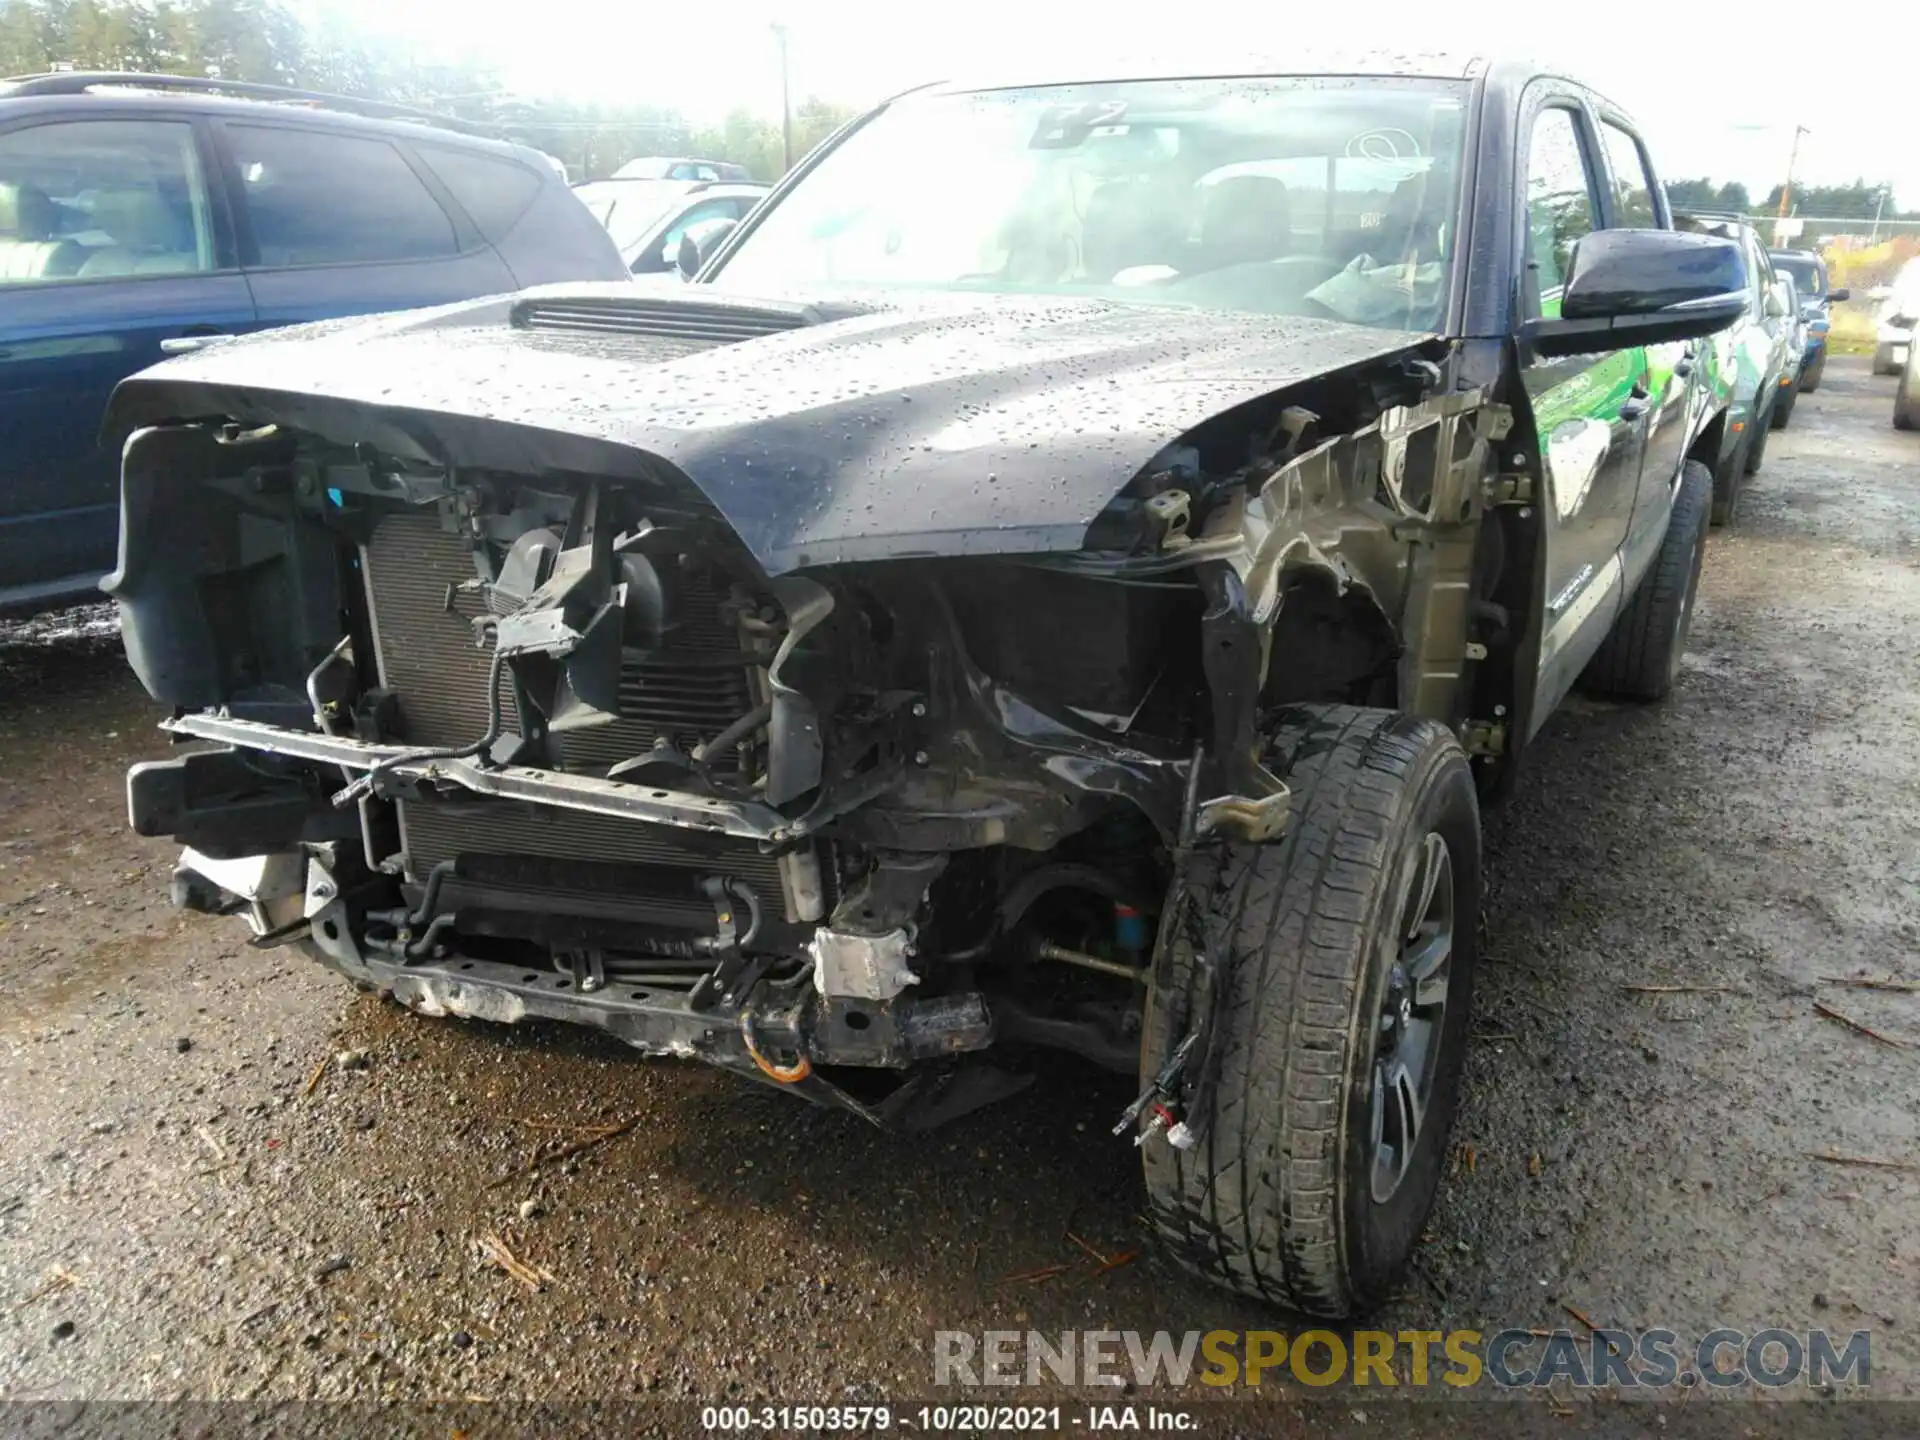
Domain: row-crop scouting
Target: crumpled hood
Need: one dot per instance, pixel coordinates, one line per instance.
(865, 426)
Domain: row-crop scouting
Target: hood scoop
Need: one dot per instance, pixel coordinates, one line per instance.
(698, 322)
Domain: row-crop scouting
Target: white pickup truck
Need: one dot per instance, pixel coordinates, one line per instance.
(1893, 320)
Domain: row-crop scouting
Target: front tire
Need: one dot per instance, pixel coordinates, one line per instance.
(1883, 360)
(1640, 658)
(1906, 399)
(1810, 381)
(1783, 407)
(1347, 948)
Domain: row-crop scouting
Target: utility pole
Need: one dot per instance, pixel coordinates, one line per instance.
(786, 101)
(1793, 158)
(1879, 207)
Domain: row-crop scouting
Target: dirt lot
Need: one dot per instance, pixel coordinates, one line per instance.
(184, 1212)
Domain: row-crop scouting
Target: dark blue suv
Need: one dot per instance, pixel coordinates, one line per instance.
(1817, 300)
(144, 215)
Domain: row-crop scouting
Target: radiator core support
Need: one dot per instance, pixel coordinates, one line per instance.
(420, 569)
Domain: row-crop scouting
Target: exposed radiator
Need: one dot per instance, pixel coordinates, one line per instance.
(428, 657)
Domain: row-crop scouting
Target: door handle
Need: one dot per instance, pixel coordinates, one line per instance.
(198, 338)
(1635, 405)
(1683, 368)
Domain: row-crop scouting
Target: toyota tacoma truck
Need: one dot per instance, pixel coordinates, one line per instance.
(1066, 575)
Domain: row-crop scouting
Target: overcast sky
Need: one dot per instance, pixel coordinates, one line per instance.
(1717, 89)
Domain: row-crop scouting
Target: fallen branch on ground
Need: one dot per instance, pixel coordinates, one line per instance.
(598, 1137)
(1832, 1014)
(1870, 983)
(1045, 1272)
(1581, 1318)
(496, 1250)
(318, 1071)
(63, 1279)
(1086, 1247)
(572, 1127)
(1868, 1161)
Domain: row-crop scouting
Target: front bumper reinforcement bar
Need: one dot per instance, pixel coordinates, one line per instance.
(744, 819)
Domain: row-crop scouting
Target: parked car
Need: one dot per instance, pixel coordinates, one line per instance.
(1906, 398)
(1792, 320)
(677, 167)
(1071, 590)
(1745, 364)
(647, 218)
(143, 214)
(1897, 312)
(1817, 299)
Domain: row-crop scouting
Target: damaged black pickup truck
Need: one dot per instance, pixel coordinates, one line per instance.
(1066, 573)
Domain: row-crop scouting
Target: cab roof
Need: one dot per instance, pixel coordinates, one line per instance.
(1211, 65)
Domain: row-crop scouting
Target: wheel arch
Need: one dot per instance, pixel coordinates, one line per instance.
(1708, 444)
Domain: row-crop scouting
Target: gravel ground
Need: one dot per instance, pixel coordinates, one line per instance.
(185, 1212)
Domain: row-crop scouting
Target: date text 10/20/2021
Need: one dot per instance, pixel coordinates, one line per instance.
(953, 1419)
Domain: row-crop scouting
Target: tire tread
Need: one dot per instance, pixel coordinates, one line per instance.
(1257, 1206)
(1634, 662)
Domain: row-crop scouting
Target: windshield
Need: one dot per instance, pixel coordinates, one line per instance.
(1808, 277)
(1293, 197)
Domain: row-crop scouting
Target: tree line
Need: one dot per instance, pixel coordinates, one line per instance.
(1857, 200)
(264, 41)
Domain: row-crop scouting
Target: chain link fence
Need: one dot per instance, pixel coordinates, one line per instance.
(1820, 232)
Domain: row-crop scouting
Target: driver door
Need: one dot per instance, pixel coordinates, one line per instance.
(1589, 411)
(1676, 403)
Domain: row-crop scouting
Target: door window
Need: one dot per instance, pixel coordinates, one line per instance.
(1632, 191)
(323, 199)
(99, 199)
(1559, 204)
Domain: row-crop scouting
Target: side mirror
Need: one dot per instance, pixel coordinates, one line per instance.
(1834, 297)
(1643, 287)
(699, 242)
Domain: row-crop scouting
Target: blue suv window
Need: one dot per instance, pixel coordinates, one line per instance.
(99, 199)
(495, 192)
(321, 199)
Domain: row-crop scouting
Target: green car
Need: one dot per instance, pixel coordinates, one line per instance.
(1748, 367)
